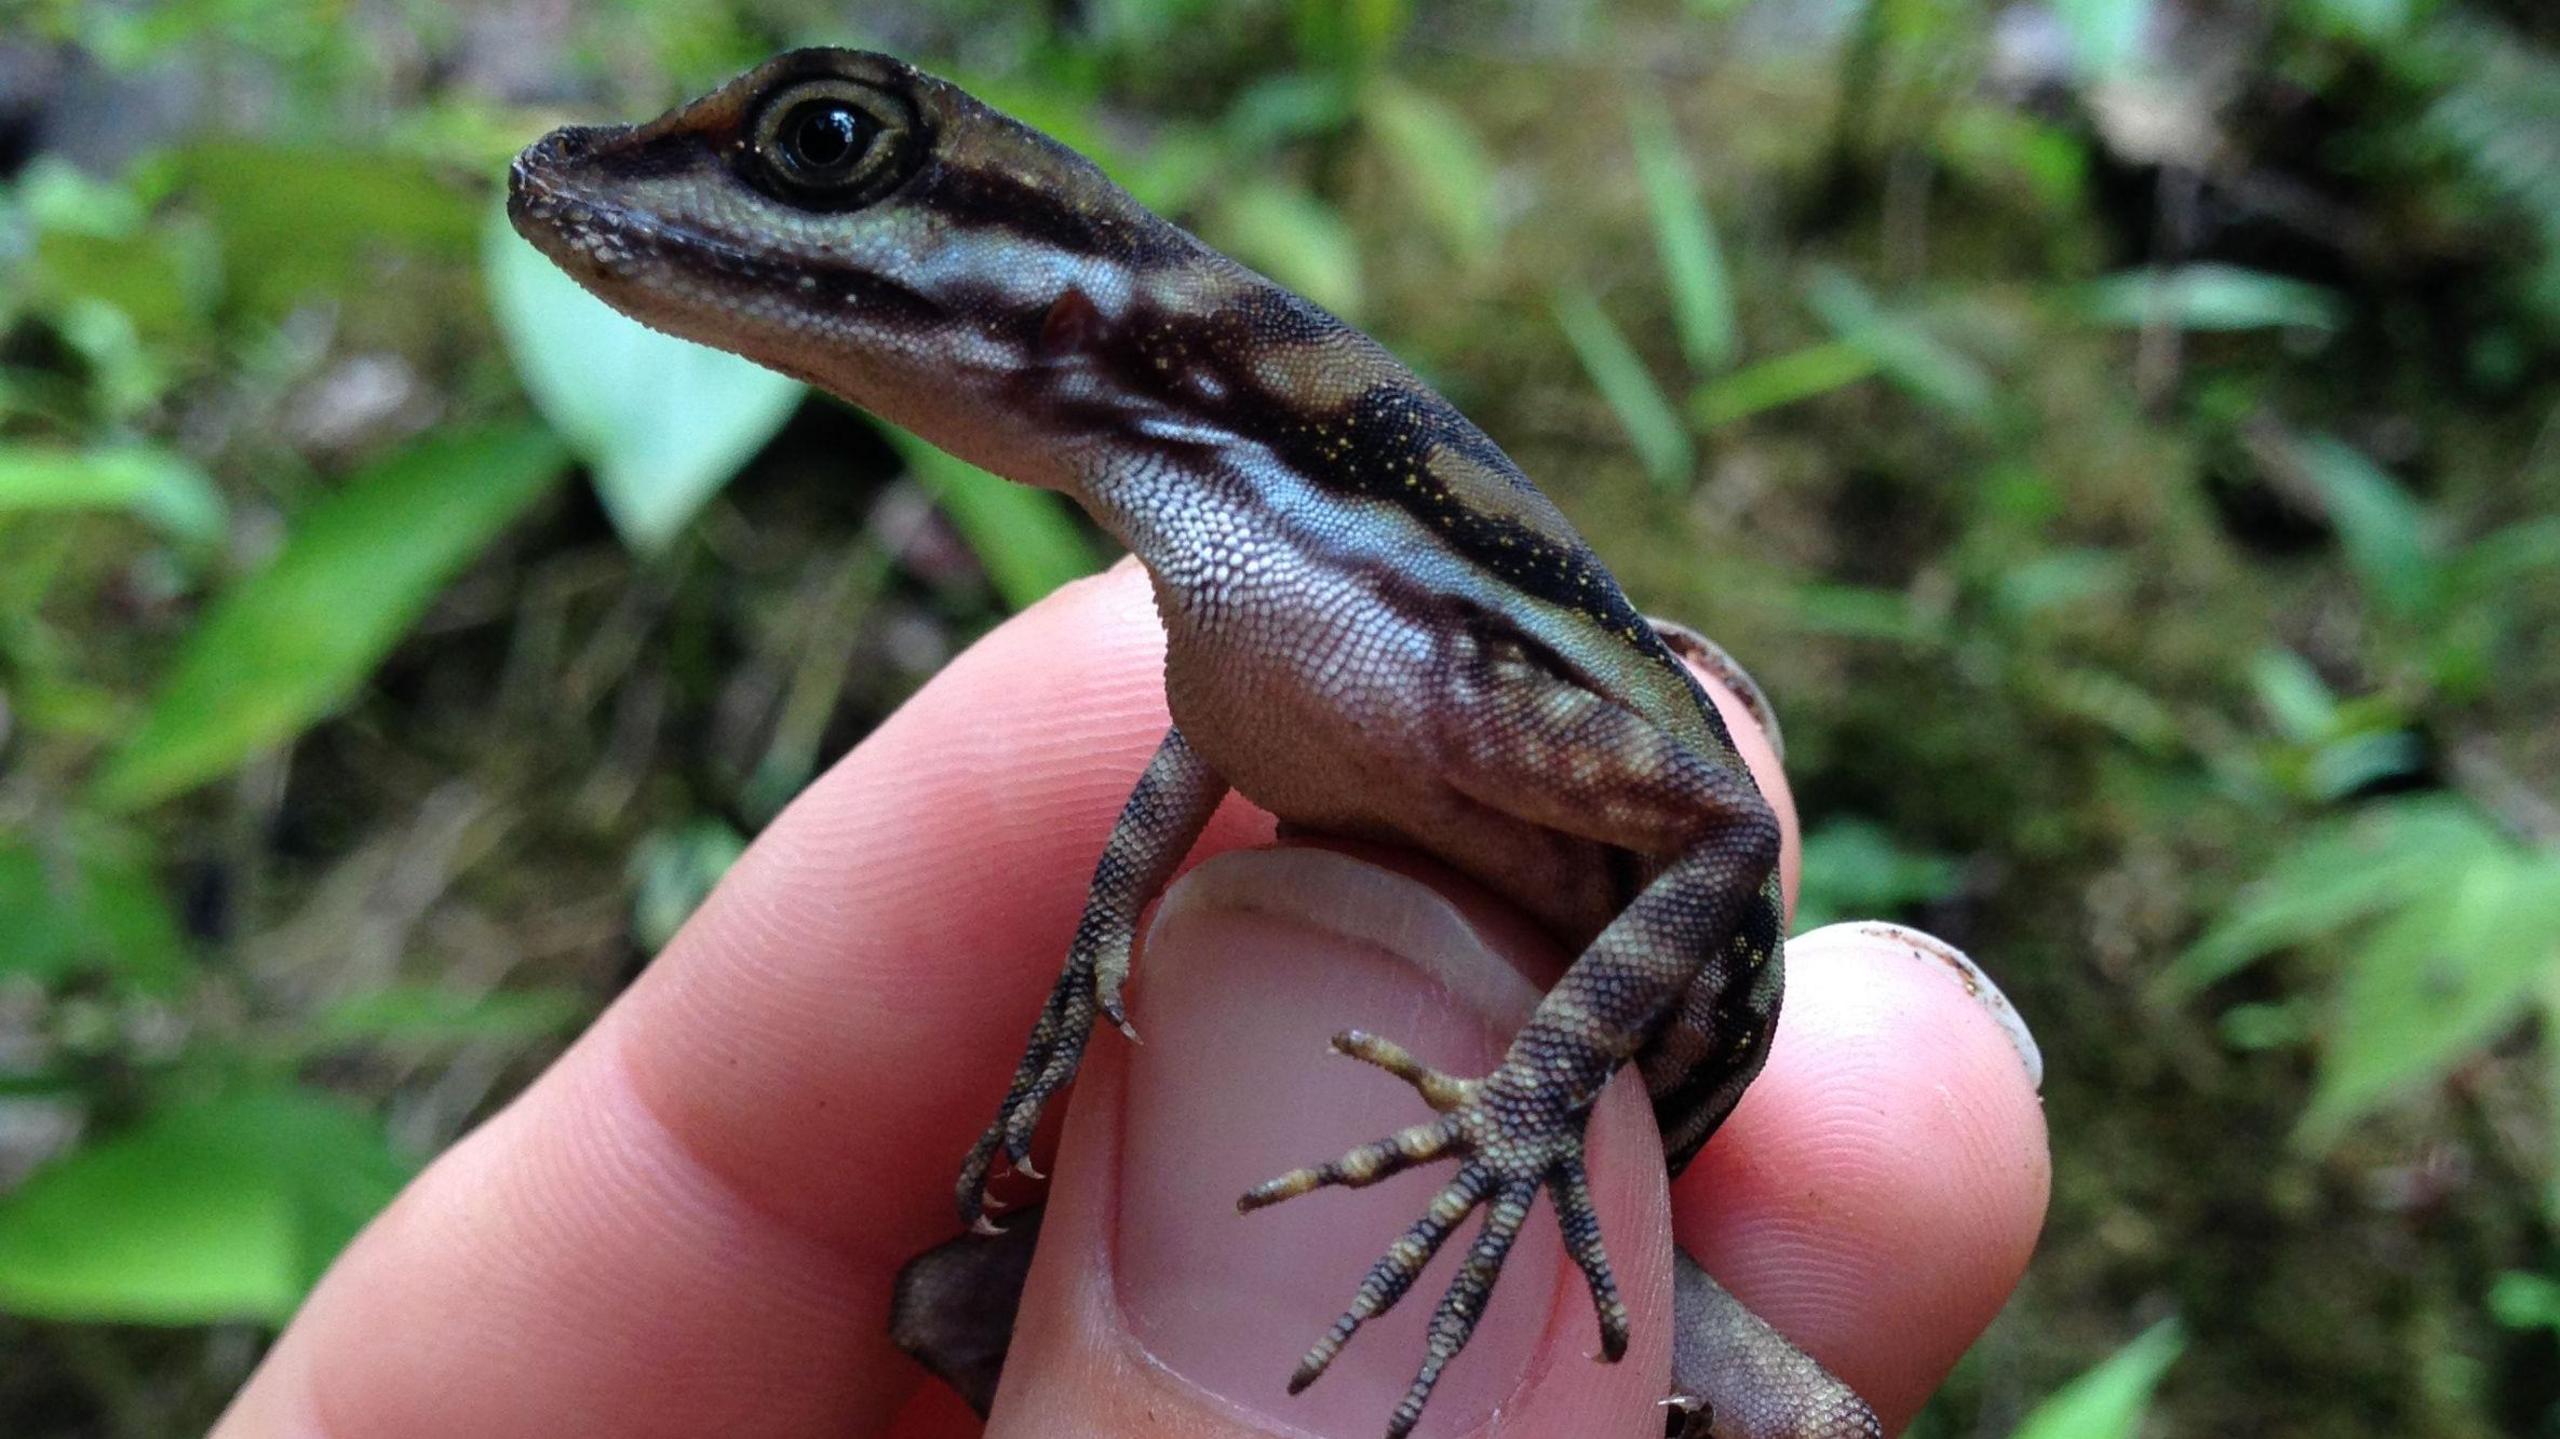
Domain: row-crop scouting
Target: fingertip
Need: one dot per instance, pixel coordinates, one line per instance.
(1879, 1190)
(1743, 715)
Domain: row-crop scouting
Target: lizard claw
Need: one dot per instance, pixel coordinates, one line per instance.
(1109, 980)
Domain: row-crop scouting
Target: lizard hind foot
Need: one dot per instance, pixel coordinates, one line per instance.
(1510, 1143)
(1055, 1051)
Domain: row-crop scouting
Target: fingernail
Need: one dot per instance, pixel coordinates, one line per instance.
(1254, 961)
(1952, 962)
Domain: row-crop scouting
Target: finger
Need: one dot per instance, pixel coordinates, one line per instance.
(1155, 1307)
(1877, 1193)
(690, 1223)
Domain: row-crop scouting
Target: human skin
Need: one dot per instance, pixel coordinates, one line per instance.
(689, 1224)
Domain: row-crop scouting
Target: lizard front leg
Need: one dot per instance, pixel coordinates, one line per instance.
(1521, 1128)
(1163, 817)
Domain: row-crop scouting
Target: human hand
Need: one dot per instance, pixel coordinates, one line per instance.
(690, 1224)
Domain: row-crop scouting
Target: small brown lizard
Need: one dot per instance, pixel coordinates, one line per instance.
(1377, 628)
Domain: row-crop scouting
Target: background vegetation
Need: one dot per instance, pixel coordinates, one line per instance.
(2123, 434)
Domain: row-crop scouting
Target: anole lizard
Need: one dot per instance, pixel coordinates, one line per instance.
(1376, 626)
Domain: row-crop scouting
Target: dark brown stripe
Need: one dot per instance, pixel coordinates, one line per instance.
(1116, 229)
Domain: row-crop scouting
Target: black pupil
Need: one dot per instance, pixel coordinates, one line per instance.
(827, 135)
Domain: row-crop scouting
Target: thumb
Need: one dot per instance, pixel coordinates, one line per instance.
(1155, 1307)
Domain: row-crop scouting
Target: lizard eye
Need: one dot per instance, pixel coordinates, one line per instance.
(832, 144)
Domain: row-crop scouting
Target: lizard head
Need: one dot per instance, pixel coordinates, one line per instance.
(845, 218)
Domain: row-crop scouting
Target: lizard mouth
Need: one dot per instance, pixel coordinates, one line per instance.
(658, 269)
(601, 239)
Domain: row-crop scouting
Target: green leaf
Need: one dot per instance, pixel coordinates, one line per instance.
(1861, 612)
(290, 643)
(2372, 21)
(2483, 570)
(1693, 267)
(1281, 109)
(1779, 381)
(60, 198)
(1351, 35)
(158, 486)
(2247, 1027)
(2109, 1401)
(301, 220)
(662, 423)
(1909, 355)
(2106, 35)
(1854, 867)
(1027, 538)
(92, 246)
(2210, 297)
(673, 871)
(2521, 1300)
(2294, 695)
(2498, 112)
(2349, 763)
(2429, 986)
(2048, 582)
(2383, 531)
(1294, 238)
(1992, 143)
(1439, 160)
(1134, 26)
(2335, 878)
(2118, 703)
(433, 1015)
(86, 899)
(217, 1209)
(1661, 441)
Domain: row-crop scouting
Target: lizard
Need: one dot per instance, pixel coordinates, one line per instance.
(1376, 628)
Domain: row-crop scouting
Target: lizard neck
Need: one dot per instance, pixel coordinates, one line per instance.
(1219, 419)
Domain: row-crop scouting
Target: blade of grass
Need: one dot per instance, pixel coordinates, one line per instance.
(1441, 159)
(2210, 297)
(1660, 440)
(1684, 235)
(1917, 361)
(2108, 1402)
(160, 486)
(2382, 529)
(1779, 381)
(1294, 237)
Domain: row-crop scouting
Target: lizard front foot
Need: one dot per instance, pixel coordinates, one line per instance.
(1511, 1137)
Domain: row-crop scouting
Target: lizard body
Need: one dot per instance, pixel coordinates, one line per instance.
(1377, 627)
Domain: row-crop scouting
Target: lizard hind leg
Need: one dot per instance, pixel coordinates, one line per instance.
(1522, 1128)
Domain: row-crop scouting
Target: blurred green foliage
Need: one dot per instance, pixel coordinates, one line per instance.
(2123, 435)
